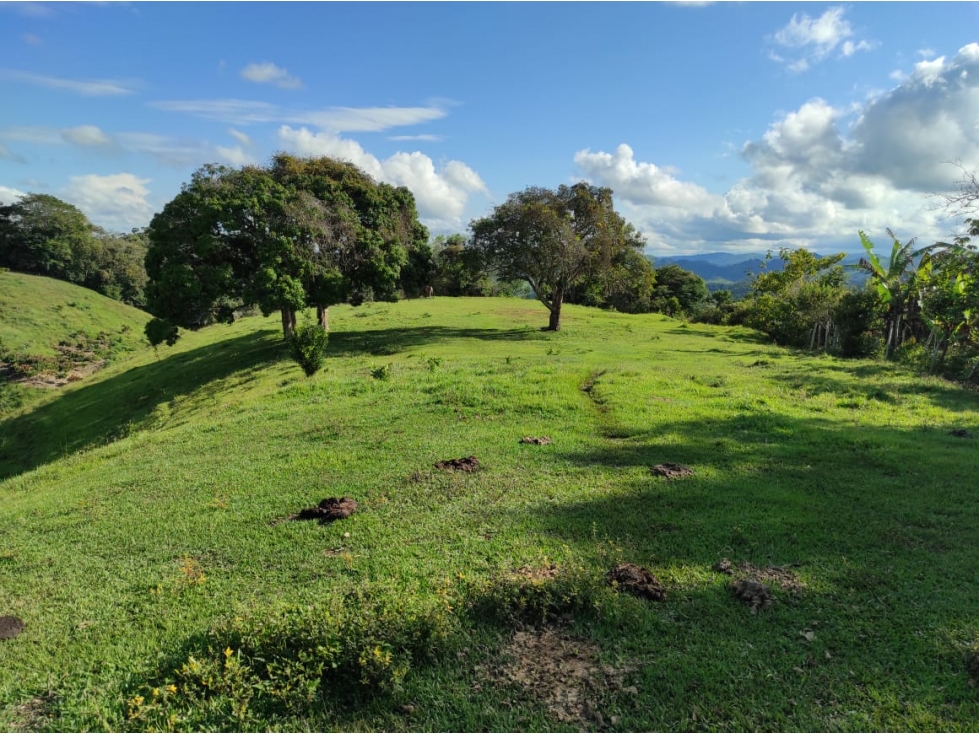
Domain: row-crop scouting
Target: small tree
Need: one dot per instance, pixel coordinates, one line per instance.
(307, 346)
(553, 239)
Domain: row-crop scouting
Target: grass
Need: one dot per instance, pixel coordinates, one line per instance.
(142, 536)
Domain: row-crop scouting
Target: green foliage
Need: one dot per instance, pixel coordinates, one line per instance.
(678, 291)
(553, 240)
(790, 304)
(307, 347)
(42, 235)
(859, 320)
(459, 269)
(298, 233)
(381, 373)
(159, 331)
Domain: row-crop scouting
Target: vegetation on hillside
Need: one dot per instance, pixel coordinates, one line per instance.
(147, 539)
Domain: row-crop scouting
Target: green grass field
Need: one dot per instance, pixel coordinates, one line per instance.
(144, 537)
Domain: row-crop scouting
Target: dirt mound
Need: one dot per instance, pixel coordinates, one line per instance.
(778, 575)
(753, 593)
(539, 441)
(330, 509)
(467, 464)
(960, 433)
(10, 627)
(542, 573)
(636, 580)
(671, 471)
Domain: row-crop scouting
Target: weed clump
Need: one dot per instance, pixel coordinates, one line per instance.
(307, 347)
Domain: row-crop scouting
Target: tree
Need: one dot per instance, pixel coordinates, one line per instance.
(42, 235)
(678, 290)
(298, 233)
(795, 305)
(896, 285)
(553, 239)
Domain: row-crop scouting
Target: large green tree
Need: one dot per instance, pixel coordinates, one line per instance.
(553, 239)
(42, 235)
(297, 233)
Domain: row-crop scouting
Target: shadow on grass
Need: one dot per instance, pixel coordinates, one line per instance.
(381, 342)
(110, 409)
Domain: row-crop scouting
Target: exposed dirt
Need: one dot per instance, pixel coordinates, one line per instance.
(972, 666)
(330, 509)
(539, 441)
(636, 580)
(671, 471)
(466, 464)
(563, 673)
(753, 593)
(960, 433)
(10, 627)
(30, 715)
(778, 575)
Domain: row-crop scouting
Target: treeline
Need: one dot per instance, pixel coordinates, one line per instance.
(42, 235)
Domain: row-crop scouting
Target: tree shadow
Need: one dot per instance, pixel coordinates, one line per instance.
(382, 342)
(110, 409)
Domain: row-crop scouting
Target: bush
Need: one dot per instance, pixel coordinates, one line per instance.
(307, 346)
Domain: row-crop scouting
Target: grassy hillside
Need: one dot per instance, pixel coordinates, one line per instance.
(36, 313)
(145, 536)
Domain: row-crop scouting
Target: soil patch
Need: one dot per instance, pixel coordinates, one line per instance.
(539, 441)
(10, 627)
(330, 509)
(30, 715)
(467, 464)
(753, 593)
(542, 573)
(960, 433)
(671, 471)
(636, 580)
(778, 575)
(972, 667)
(563, 673)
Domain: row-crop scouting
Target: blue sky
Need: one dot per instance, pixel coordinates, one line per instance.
(719, 126)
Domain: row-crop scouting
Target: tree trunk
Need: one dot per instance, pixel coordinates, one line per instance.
(554, 324)
(288, 323)
(323, 317)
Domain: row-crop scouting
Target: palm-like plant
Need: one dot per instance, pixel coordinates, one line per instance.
(896, 284)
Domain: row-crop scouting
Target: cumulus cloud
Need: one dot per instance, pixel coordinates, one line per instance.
(269, 73)
(811, 40)
(440, 193)
(116, 202)
(814, 180)
(9, 195)
(92, 88)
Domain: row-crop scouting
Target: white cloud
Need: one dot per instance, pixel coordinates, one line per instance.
(116, 202)
(335, 119)
(236, 156)
(86, 136)
(814, 181)
(812, 40)
(241, 137)
(9, 195)
(441, 194)
(94, 88)
(268, 73)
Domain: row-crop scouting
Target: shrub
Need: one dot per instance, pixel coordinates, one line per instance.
(307, 346)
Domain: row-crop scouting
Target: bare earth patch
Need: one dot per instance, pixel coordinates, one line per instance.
(466, 464)
(10, 627)
(29, 715)
(671, 471)
(563, 673)
(541, 573)
(330, 509)
(753, 593)
(636, 580)
(960, 433)
(539, 441)
(778, 575)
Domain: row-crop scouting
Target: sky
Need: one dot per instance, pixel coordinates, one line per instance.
(734, 127)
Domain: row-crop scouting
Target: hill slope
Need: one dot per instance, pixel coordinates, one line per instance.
(147, 539)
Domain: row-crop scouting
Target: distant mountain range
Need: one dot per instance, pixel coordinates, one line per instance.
(733, 271)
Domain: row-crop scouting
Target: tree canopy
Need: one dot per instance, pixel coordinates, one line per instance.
(553, 239)
(301, 232)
